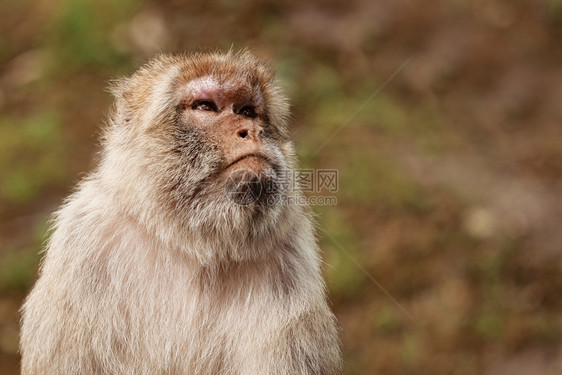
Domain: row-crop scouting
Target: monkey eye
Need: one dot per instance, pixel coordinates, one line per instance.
(248, 111)
(204, 105)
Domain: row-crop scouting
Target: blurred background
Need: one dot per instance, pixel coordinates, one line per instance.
(450, 177)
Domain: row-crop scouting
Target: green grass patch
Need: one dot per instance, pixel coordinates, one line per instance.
(81, 31)
(31, 155)
(373, 178)
(18, 269)
(342, 273)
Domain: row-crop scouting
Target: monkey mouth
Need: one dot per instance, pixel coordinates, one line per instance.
(255, 162)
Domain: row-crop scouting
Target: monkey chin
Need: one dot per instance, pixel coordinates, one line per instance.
(250, 181)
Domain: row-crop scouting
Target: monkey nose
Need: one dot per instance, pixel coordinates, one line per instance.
(249, 134)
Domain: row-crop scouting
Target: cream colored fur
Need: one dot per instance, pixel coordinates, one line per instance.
(138, 280)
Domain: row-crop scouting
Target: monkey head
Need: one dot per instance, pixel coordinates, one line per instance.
(200, 142)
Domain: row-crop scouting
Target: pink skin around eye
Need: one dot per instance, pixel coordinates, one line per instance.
(207, 89)
(224, 95)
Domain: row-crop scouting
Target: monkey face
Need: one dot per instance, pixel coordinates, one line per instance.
(230, 117)
(202, 140)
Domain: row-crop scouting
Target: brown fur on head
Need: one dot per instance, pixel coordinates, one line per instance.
(166, 74)
(182, 160)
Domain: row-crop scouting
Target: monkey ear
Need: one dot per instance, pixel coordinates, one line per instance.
(119, 87)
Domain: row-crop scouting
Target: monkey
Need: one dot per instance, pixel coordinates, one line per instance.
(178, 253)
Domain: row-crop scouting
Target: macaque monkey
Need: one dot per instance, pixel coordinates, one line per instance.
(178, 254)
